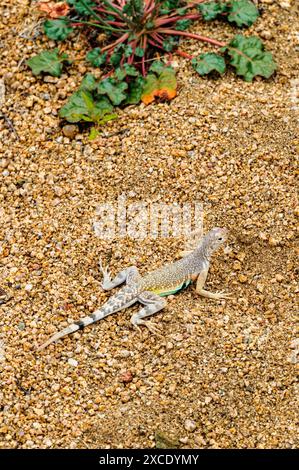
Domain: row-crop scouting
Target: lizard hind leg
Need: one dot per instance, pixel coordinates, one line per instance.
(129, 276)
(153, 304)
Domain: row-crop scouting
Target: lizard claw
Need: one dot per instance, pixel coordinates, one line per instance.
(223, 295)
(106, 274)
(153, 328)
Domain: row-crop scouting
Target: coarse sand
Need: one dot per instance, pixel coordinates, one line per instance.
(224, 373)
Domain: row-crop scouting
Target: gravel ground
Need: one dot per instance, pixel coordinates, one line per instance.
(224, 373)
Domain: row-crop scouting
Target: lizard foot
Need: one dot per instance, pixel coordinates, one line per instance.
(106, 275)
(222, 295)
(214, 295)
(151, 327)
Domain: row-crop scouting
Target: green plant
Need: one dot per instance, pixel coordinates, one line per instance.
(136, 31)
(48, 61)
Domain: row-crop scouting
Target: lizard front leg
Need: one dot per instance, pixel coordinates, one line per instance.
(129, 275)
(153, 303)
(201, 279)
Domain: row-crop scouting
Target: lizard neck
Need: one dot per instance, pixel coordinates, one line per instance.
(204, 250)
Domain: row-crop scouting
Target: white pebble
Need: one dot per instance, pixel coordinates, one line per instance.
(190, 425)
(72, 362)
(47, 442)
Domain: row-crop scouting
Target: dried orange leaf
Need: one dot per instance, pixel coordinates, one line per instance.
(163, 87)
(167, 84)
(54, 10)
(150, 89)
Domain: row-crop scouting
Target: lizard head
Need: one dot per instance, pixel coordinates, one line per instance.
(215, 238)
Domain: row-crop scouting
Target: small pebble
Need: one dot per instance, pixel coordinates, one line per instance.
(127, 377)
(184, 440)
(190, 425)
(72, 362)
(70, 130)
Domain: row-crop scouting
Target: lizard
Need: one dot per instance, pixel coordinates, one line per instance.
(151, 289)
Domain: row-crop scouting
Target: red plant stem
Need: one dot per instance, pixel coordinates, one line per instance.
(143, 58)
(191, 36)
(157, 38)
(192, 5)
(119, 10)
(184, 54)
(133, 44)
(123, 38)
(122, 61)
(104, 10)
(97, 25)
(116, 23)
(147, 12)
(171, 16)
(149, 4)
(116, 6)
(169, 59)
(160, 22)
(155, 44)
(107, 74)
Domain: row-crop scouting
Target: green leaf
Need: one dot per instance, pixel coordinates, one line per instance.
(139, 52)
(81, 106)
(88, 83)
(134, 8)
(131, 70)
(162, 86)
(128, 51)
(48, 61)
(95, 57)
(151, 85)
(208, 62)
(120, 74)
(113, 89)
(211, 10)
(248, 57)
(93, 133)
(126, 70)
(135, 91)
(80, 6)
(169, 5)
(115, 58)
(170, 43)
(157, 67)
(242, 12)
(182, 11)
(167, 84)
(182, 25)
(57, 29)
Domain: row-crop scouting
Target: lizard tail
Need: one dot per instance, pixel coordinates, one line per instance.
(113, 305)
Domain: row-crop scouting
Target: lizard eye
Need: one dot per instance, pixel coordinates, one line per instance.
(220, 238)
